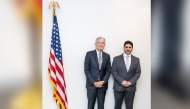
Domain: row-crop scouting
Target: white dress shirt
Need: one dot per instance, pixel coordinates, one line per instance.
(124, 57)
(98, 54)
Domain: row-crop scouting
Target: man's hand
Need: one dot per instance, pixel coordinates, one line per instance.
(129, 83)
(101, 83)
(98, 84)
(126, 83)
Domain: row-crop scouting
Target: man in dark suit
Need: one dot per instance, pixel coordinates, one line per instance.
(97, 68)
(126, 71)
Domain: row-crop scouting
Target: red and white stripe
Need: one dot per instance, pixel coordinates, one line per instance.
(56, 72)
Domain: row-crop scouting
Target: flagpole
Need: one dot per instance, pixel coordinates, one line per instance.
(54, 5)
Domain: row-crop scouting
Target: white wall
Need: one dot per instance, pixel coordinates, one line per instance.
(80, 23)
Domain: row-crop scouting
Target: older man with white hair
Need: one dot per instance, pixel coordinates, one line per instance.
(97, 68)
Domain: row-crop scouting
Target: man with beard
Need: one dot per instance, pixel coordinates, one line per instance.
(126, 71)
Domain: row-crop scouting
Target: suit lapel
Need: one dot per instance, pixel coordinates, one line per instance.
(103, 59)
(132, 63)
(96, 58)
(122, 62)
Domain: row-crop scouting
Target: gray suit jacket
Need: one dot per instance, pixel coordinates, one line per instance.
(91, 69)
(120, 73)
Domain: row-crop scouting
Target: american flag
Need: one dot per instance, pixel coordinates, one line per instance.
(55, 69)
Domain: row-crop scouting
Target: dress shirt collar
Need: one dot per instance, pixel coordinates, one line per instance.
(98, 52)
(126, 55)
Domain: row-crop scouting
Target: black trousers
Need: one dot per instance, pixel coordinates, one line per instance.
(92, 94)
(129, 98)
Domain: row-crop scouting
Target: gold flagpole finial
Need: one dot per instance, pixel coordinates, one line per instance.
(54, 5)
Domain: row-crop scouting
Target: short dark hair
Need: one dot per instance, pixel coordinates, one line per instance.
(128, 42)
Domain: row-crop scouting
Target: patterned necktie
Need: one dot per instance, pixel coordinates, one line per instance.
(127, 63)
(100, 61)
(100, 64)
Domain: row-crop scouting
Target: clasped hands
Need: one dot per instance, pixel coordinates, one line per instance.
(126, 83)
(98, 84)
